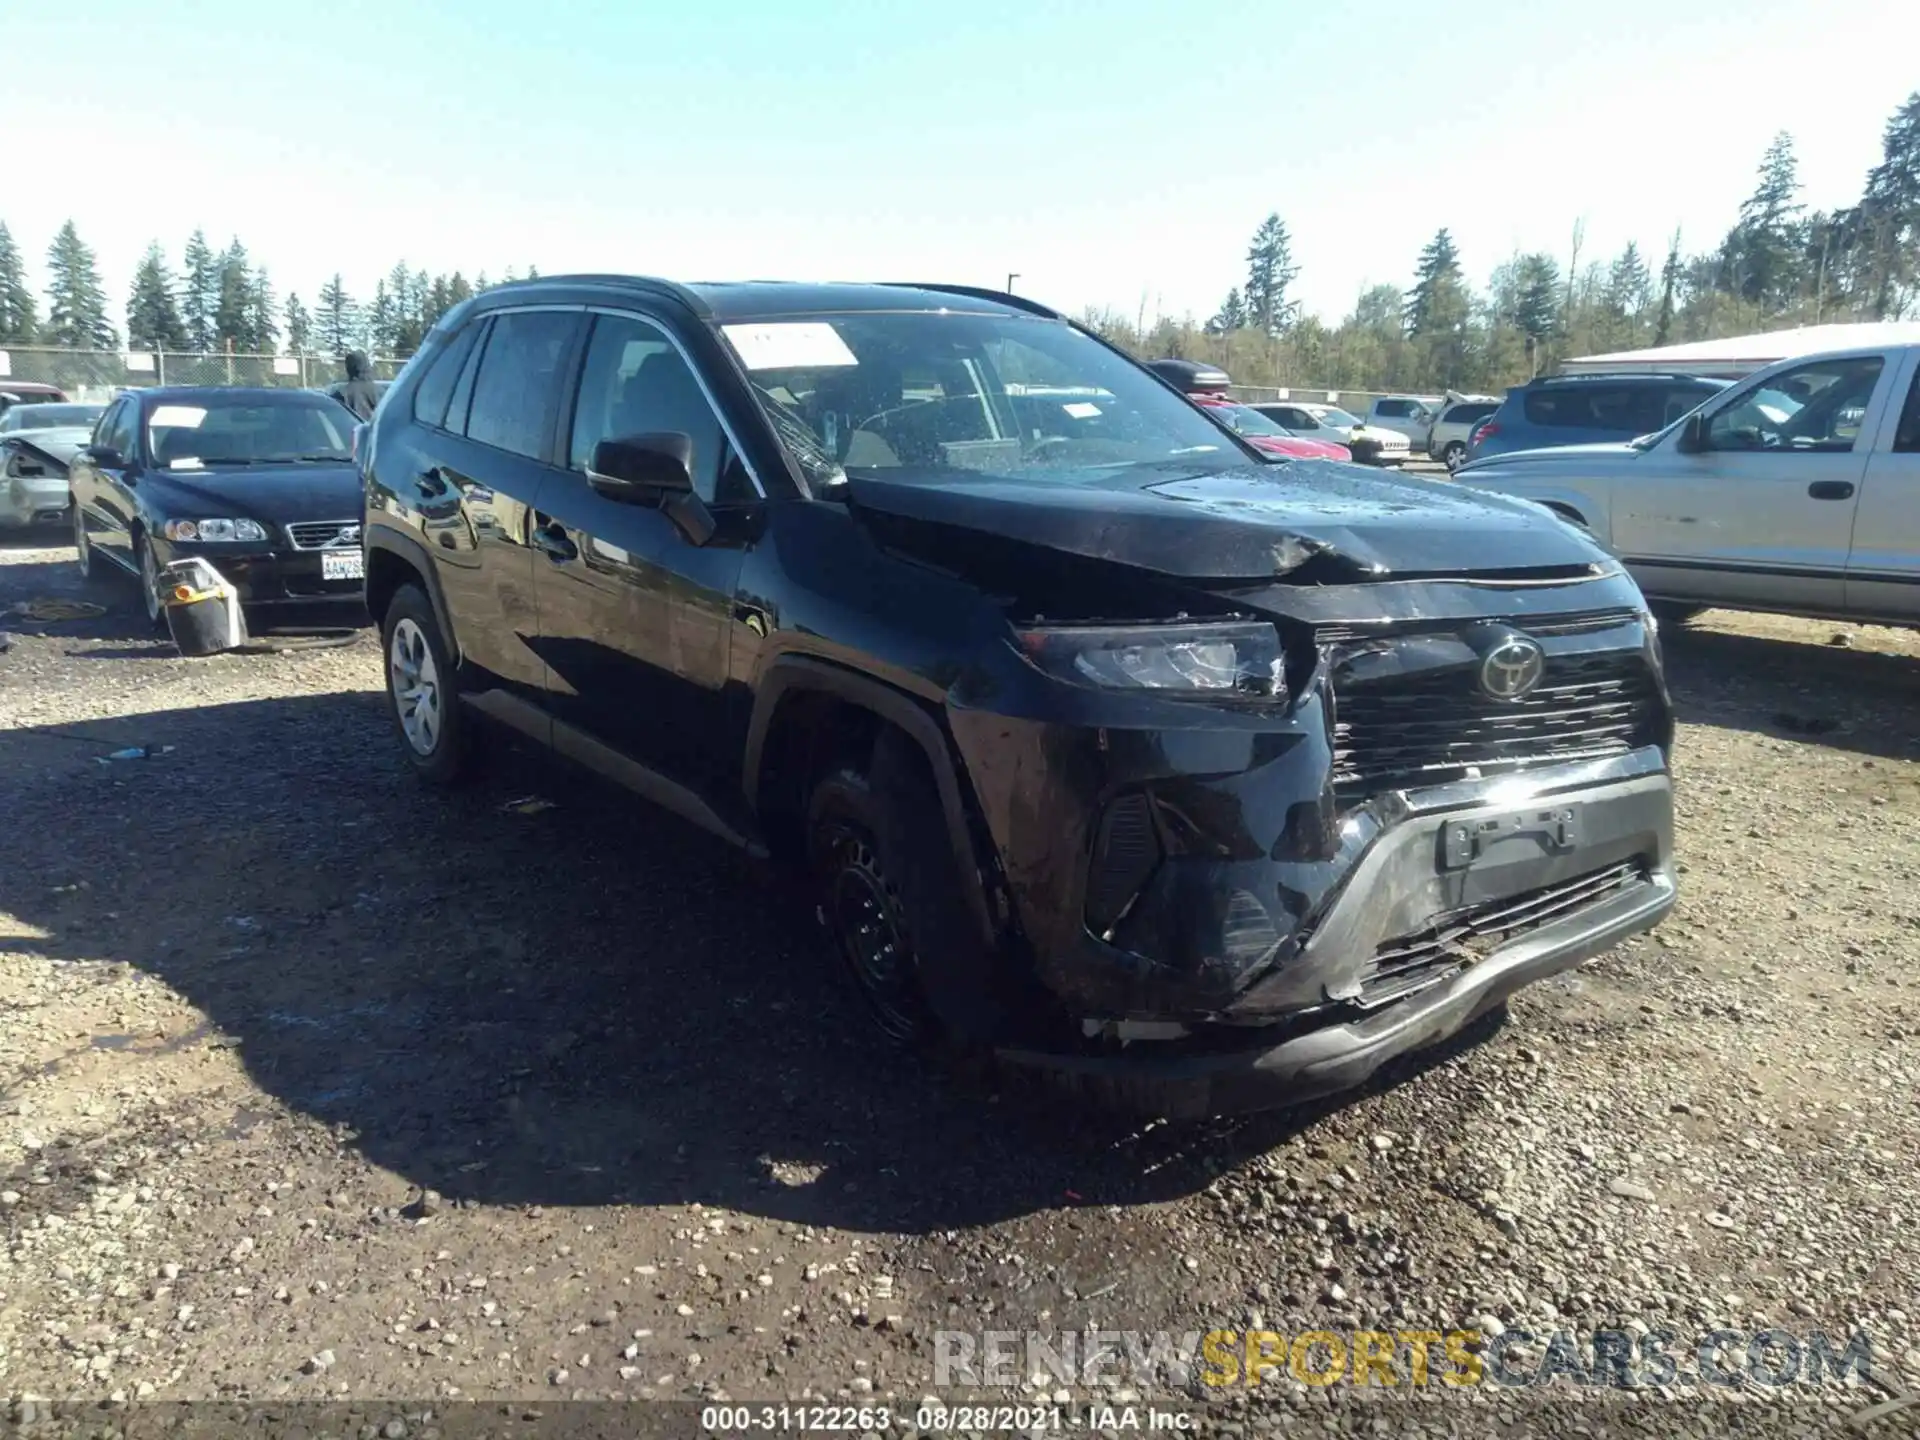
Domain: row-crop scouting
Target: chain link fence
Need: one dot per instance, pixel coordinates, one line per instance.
(100, 374)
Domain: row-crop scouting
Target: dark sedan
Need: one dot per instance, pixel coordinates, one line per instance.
(259, 482)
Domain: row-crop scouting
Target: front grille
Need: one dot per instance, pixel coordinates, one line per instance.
(1400, 967)
(1426, 729)
(324, 534)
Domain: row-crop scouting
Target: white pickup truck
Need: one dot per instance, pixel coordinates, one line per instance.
(1796, 490)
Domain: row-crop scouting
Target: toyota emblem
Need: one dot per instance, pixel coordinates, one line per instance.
(1511, 669)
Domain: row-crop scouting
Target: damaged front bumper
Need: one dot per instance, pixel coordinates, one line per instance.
(1418, 946)
(1235, 911)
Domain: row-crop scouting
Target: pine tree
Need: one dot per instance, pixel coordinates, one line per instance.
(458, 290)
(1270, 270)
(263, 315)
(153, 309)
(382, 320)
(19, 316)
(1628, 292)
(299, 326)
(1232, 316)
(1537, 306)
(338, 320)
(1886, 224)
(76, 301)
(1437, 284)
(233, 302)
(199, 292)
(1669, 284)
(1761, 255)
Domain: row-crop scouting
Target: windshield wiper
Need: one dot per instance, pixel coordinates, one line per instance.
(330, 457)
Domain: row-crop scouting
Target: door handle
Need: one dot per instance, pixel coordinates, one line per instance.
(552, 539)
(431, 484)
(1831, 489)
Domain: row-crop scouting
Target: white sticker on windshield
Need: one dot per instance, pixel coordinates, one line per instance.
(186, 416)
(795, 345)
(186, 462)
(1081, 410)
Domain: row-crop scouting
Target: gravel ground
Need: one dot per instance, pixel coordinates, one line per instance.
(314, 1085)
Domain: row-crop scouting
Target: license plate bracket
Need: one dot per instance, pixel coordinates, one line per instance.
(342, 565)
(1552, 827)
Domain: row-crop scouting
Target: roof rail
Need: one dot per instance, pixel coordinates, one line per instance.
(652, 284)
(1621, 375)
(980, 292)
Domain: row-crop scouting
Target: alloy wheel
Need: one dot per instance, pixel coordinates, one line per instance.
(414, 680)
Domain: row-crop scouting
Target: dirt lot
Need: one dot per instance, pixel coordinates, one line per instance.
(260, 994)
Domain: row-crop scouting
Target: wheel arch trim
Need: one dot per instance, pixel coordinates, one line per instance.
(800, 673)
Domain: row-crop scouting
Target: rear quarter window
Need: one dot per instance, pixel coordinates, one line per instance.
(435, 389)
(1584, 407)
(1468, 414)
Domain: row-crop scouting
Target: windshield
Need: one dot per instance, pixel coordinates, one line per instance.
(1333, 415)
(1245, 420)
(1001, 394)
(243, 430)
(50, 417)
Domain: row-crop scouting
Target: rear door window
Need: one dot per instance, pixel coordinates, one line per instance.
(1393, 409)
(517, 386)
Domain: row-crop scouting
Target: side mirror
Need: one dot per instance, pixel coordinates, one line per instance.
(1692, 438)
(642, 469)
(654, 469)
(106, 457)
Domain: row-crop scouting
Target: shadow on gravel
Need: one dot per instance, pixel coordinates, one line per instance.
(1860, 700)
(593, 1004)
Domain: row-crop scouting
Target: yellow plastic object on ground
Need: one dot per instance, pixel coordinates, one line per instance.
(202, 608)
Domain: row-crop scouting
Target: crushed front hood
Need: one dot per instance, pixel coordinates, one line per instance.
(1239, 523)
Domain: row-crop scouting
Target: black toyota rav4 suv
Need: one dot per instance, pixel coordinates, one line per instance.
(1109, 745)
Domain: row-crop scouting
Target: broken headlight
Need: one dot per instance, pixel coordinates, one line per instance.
(1233, 660)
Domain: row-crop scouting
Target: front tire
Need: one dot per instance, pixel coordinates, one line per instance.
(434, 730)
(84, 556)
(890, 892)
(149, 580)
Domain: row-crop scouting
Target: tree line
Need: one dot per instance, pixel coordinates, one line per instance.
(217, 300)
(1778, 264)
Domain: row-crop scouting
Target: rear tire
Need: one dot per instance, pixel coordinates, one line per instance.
(434, 729)
(1454, 455)
(889, 890)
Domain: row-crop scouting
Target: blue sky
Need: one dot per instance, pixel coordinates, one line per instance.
(1113, 153)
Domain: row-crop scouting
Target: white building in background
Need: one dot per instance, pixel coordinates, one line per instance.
(1740, 355)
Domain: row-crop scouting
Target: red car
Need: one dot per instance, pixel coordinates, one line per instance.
(1206, 386)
